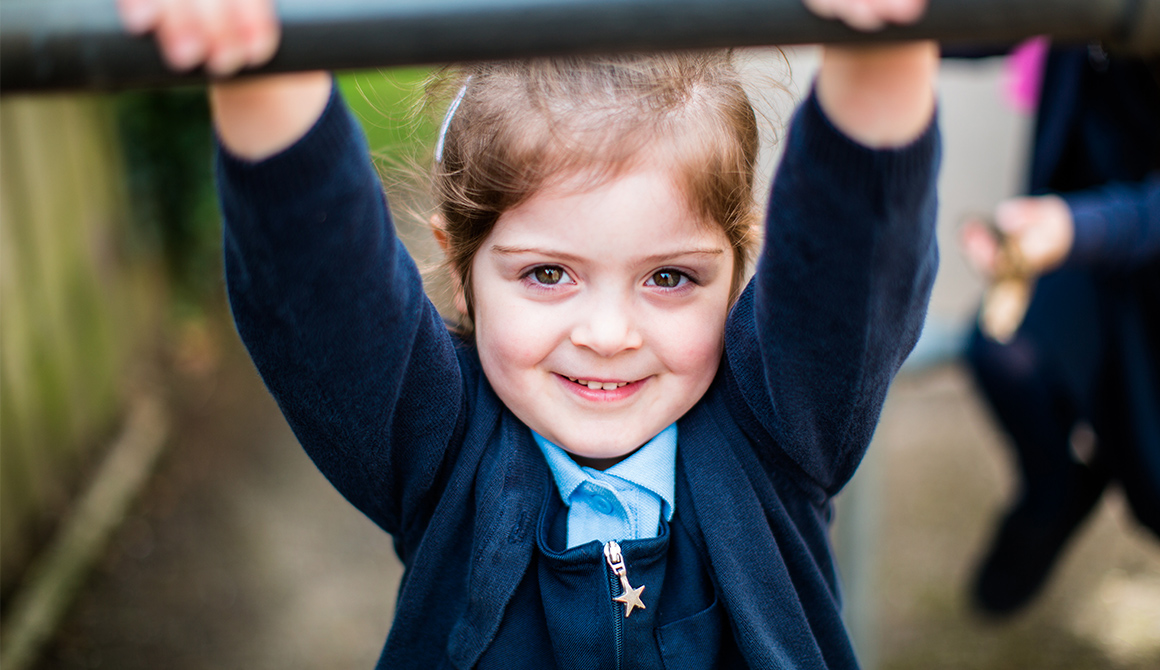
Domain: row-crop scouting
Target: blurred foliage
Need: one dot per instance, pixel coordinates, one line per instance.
(168, 145)
(78, 312)
(98, 193)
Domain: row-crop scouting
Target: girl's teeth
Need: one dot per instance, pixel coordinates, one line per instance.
(599, 386)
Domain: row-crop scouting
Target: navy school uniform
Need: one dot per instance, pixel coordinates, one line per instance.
(396, 412)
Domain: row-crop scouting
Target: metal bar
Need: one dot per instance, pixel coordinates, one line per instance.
(78, 44)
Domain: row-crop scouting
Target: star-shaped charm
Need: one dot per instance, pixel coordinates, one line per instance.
(630, 598)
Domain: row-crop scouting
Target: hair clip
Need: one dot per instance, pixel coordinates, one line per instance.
(447, 119)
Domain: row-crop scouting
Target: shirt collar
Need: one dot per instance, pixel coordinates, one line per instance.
(652, 467)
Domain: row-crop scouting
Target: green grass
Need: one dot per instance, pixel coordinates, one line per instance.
(384, 100)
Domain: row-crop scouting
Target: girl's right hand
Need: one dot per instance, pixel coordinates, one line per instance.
(223, 35)
(255, 117)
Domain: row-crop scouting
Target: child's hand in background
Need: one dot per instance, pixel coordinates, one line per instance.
(223, 35)
(868, 14)
(1040, 229)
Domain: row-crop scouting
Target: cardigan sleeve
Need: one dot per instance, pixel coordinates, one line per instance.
(839, 295)
(1117, 225)
(332, 310)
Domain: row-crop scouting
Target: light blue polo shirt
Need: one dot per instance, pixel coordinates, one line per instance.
(624, 502)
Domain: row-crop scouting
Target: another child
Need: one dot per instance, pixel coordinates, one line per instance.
(627, 460)
(1088, 351)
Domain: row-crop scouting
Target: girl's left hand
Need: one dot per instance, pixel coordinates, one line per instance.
(868, 15)
(881, 95)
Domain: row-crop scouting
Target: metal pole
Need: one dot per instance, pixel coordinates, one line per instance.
(78, 44)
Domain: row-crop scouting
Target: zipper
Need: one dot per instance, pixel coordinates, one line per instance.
(629, 596)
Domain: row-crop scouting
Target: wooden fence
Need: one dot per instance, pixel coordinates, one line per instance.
(78, 307)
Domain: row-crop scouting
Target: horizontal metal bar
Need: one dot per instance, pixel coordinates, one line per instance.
(78, 44)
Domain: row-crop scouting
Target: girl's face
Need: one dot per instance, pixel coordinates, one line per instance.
(600, 312)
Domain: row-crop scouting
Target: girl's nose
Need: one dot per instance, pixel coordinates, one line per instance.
(607, 327)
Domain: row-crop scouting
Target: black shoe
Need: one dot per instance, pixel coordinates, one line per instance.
(1027, 545)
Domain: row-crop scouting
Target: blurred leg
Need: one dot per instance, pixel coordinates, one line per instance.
(1039, 387)
(1135, 464)
(1127, 414)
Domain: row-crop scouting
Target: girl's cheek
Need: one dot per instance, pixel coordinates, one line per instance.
(513, 331)
(702, 357)
(694, 339)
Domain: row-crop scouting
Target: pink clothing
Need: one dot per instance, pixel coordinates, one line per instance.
(1023, 75)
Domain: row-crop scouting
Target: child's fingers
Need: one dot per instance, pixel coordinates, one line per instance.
(868, 15)
(181, 33)
(227, 51)
(139, 16)
(895, 11)
(979, 246)
(863, 15)
(259, 30)
(246, 34)
(904, 11)
(858, 14)
(823, 8)
(223, 35)
(1044, 229)
(1014, 215)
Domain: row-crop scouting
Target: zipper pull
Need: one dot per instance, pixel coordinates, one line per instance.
(631, 596)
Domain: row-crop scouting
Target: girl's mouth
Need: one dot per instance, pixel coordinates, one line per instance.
(601, 391)
(597, 385)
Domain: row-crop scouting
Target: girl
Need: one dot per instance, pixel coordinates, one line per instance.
(623, 458)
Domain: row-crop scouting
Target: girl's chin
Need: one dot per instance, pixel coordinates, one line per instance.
(599, 463)
(600, 458)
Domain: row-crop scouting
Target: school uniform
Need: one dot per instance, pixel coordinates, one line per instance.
(398, 415)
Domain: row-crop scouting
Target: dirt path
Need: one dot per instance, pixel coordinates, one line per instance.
(239, 555)
(944, 476)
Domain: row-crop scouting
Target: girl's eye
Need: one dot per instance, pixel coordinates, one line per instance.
(667, 279)
(549, 275)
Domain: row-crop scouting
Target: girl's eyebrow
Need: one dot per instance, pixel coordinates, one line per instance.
(512, 251)
(654, 258)
(705, 251)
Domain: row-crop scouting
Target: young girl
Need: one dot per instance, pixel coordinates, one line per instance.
(623, 458)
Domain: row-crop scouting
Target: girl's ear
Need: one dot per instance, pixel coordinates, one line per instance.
(440, 231)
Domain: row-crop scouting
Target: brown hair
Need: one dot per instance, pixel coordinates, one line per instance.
(518, 126)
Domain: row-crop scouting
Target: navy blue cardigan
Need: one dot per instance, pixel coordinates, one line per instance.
(396, 412)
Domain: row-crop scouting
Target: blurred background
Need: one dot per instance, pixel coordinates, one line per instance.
(127, 403)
